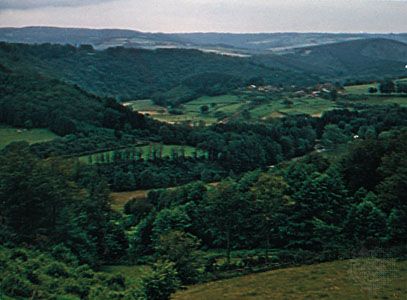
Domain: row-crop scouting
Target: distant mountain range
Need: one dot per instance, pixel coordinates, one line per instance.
(227, 43)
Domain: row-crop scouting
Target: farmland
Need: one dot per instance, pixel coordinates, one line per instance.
(360, 89)
(363, 89)
(354, 279)
(225, 107)
(10, 134)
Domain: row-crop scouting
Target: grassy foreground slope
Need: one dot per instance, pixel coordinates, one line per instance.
(353, 279)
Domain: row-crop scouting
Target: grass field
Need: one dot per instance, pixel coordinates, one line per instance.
(32, 136)
(363, 89)
(227, 104)
(276, 108)
(351, 280)
(120, 199)
(360, 89)
(230, 106)
(166, 151)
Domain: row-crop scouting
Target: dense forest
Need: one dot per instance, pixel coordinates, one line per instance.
(137, 73)
(299, 212)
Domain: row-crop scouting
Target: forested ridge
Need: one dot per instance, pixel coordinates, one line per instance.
(138, 73)
(255, 194)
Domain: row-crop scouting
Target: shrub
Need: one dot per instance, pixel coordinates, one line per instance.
(116, 282)
(56, 269)
(19, 254)
(15, 286)
(75, 288)
(84, 271)
(62, 253)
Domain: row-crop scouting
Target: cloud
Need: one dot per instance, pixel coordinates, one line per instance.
(33, 4)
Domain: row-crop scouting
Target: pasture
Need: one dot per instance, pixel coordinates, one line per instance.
(361, 89)
(367, 278)
(31, 136)
(305, 105)
(231, 106)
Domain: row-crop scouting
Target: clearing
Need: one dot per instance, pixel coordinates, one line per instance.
(367, 278)
(120, 199)
(31, 136)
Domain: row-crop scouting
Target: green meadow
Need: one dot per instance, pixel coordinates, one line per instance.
(32, 136)
(359, 279)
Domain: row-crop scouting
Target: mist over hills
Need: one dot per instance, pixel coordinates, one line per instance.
(235, 43)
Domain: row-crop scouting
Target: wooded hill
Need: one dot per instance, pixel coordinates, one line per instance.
(33, 100)
(137, 73)
(367, 59)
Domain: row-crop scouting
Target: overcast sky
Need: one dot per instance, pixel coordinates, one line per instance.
(211, 15)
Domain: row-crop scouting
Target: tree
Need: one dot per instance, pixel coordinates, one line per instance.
(288, 103)
(333, 136)
(181, 248)
(317, 196)
(270, 192)
(225, 207)
(366, 224)
(397, 226)
(387, 87)
(401, 87)
(204, 109)
(372, 90)
(161, 283)
(360, 165)
(333, 94)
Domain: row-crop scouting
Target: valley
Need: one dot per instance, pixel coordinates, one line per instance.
(148, 166)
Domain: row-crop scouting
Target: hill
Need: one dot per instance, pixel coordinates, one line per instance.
(138, 73)
(225, 42)
(363, 59)
(32, 100)
(101, 39)
(353, 279)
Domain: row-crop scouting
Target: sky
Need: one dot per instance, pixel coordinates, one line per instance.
(211, 15)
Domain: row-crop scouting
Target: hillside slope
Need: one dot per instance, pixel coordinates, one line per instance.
(353, 280)
(28, 99)
(136, 73)
(358, 59)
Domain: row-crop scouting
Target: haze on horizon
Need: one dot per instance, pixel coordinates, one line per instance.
(211, 15)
